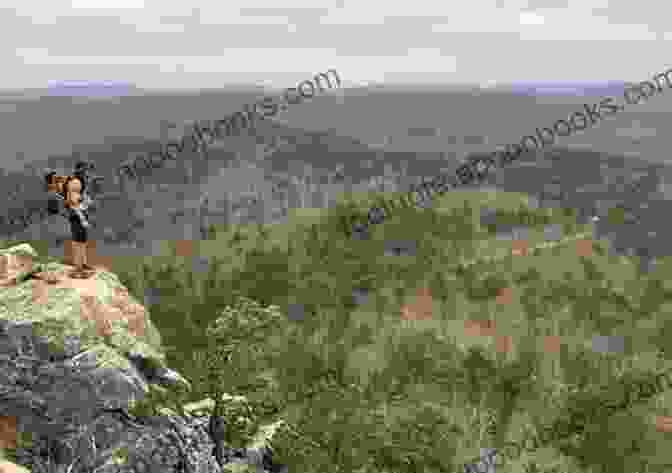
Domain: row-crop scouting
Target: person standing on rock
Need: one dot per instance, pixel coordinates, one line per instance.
(70, 190)
(77, 202)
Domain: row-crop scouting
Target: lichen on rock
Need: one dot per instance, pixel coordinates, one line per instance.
(16, 263)
(80, 358)
(96, 310)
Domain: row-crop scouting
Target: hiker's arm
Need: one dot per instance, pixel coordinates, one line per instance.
(87, 202)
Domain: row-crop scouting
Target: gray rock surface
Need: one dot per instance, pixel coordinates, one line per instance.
(76, 413)
(69, 390)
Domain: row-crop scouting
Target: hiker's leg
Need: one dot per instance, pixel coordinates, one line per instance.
(83, 259)
(75, 256)
(79, 258)
(73, 252)
(82, 250)
(68, 252)
(87, 249)
(85, 256)
(79, 239)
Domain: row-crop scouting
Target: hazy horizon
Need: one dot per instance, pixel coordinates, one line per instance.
(560, 88)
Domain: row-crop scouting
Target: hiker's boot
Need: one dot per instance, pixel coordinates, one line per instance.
(79, 274)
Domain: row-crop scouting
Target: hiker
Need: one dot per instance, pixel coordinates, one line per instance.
(72, 201)
(77, 201)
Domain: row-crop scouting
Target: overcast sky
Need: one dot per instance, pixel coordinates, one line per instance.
(206, 43)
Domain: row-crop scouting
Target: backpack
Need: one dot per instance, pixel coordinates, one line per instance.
(56, 183)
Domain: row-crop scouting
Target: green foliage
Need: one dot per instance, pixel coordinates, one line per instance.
(413, 412)
(616, 215)
(424, 440)
(158, 401)
(241, 421)
(236, 342)
(484, 286)
(248, 321)
(341, 429)
(531, 275)
(235, 361)
(522, 216)
(231, 360)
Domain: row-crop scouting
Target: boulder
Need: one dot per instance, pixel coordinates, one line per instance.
(167, 443)
(115, 442)
(59, 311)
(75, 356)
(16, 263)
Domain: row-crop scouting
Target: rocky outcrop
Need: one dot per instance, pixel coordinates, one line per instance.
(16, 264)
(74, 356)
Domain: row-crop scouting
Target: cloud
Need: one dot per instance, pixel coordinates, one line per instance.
(528, 24)
(531, 18)
(586, 26)
(108, 4)
(141, 40)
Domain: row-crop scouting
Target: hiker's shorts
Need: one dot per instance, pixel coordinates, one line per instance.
(79, 232)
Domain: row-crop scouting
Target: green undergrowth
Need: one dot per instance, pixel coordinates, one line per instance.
(362, 389)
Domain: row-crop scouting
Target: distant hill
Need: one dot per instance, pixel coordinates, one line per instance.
(376, 116)
(365, 131)
(565, 88)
